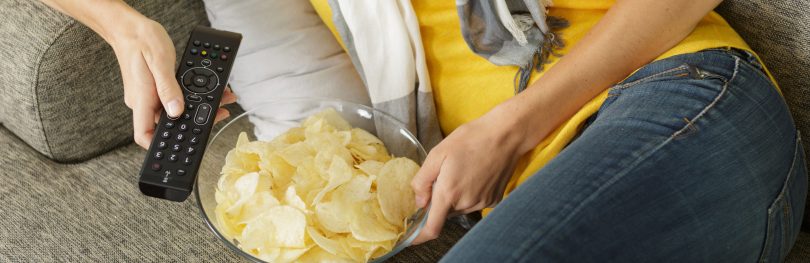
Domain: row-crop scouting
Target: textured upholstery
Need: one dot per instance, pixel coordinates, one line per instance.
(62, 92)
(779, 31)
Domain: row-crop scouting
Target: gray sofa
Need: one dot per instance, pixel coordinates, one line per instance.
(68, 184)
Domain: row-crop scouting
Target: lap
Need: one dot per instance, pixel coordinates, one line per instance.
(682, 163)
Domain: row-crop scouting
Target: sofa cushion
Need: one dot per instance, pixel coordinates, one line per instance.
(779, 31)
(62, 91)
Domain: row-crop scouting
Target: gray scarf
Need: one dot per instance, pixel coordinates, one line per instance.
(511, 32)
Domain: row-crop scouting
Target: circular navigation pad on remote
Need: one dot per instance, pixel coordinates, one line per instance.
(200, 80)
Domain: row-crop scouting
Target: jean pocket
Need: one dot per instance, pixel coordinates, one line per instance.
(682, 71)
(786, 211)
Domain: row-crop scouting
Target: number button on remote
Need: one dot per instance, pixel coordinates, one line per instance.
(190, 151)
(194, 140)
(158, 155)
(165, 135)
(176, 148)
(179, 137)
(162, 145)
(183, 127)
(187, 161)
(173, 157)
(181, 172)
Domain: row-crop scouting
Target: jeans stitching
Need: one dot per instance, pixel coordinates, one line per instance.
(650, 77)
(519, 254)
(785, 209)
(714, 102)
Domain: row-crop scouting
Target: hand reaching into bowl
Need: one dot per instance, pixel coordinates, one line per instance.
(146, 56)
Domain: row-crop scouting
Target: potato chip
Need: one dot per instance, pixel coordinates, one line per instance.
(365, 227)
(318, 255)
(291, 198)
(339, 173)
(244, 187)
(370, 167)
(329, 245)
(321, 192)
(394, 192)
(256, 205)
(333, 216)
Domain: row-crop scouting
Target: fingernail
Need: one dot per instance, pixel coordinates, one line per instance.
(173, 108)
(420, 201)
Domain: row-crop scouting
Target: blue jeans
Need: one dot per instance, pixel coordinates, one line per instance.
(693, 158)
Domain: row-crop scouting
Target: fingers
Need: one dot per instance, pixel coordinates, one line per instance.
(221, 115)
(142, 117)
(436, 217)
(160, 61)
(422, 182)
(227, 97)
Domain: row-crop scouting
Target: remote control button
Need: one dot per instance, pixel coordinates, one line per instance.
(190, 106)
(162, 145)
(206, 45)
(223, 57)
(158, 155)
(201, 117)
(194, 140)
(183, 127)
(194, 51)
(194, 98)
(165, 135)
(169, 125)
(212, 83)
(187, 161)
(204, 53)
(216, 46)
(206, 62)
(209, 98)
(220, 69)
(189, 63)
(181, 172)
(155, 166)
(200, 81)
(173, 157)
(214, 55)
(187, 79)
(190, 151)
(180, 137)
(186, 116)
(196, 43)
(226, 49)
(196, 130)
(176, 148)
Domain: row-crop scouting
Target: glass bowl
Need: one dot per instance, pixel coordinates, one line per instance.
(276, 117)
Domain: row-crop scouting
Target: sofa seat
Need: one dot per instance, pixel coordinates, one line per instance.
(93, 212)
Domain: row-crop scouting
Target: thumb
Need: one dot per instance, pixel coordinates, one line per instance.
(422, 182)
(168, 90)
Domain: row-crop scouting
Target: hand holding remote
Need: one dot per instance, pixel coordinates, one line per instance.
(176, 150)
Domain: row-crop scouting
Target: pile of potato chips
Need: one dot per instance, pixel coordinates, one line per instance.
(323, 191)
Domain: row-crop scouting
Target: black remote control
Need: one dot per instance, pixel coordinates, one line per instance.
(177, 148)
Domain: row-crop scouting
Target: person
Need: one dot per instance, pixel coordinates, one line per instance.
(688, 156)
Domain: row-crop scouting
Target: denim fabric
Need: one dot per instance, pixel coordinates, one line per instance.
(693, 158)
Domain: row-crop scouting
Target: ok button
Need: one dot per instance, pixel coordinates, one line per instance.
(200, 80)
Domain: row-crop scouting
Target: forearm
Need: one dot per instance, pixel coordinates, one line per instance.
(108, 18)
(631, 34)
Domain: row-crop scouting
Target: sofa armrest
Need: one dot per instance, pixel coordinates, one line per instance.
(62, 91)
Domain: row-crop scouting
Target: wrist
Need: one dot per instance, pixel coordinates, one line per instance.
(120, 23)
